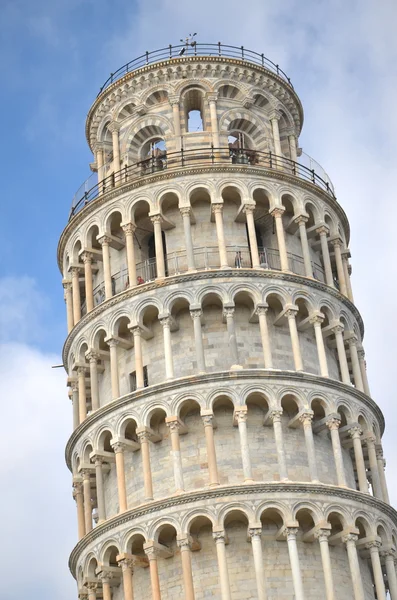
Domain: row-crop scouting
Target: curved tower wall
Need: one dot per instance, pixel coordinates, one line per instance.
(225, 441)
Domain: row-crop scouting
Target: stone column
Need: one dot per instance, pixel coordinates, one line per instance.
(169, 363)
(127, 569)
(107, 274)
(219, 537)
(301, 221)
(183, 545)
(323, 232)
(67, 285)
(87, 500)
(381, 471)
(333, 424)
(119, 449)
(363, 368)
(217, 210)
(291, 533)
(373, 548)
(75, 403)
(106, 577)
(173, 425)
(78, 496)
(358, 382)
(373, 465)
(129, 230)
(267, 353)
(214, 120)
(89, 295)
(337, 244)
(256, 542)
(93, 358)
(355, 434)
(196, 314)
(154, 572)
(100, 492)
(276, 415)
(140, 379)
(277, 213)
(293, 331)
(292, 147)
(340, 347)
(211, 455)
(115, 128)
(99, 161)
(389, 556)
(322, 535)
(82, 394)
(114, 367)
(92, 588)
(249, 214)
(144, 439)
(274, 117)
(76, 294)
(306, 420)
(240, 414)
(174, 101)
(185, 212)
(158, 243)
(317, 320)
(345, 258)
(228, 313)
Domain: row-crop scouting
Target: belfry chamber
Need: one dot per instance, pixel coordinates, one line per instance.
(225, 442)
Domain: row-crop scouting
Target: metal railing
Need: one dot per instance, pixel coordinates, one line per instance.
(201, 157)
(196, 49)
(205, 258)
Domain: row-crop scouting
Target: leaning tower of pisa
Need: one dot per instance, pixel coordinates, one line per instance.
(225, 443)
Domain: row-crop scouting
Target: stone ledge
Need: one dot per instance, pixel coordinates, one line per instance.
(309, 489)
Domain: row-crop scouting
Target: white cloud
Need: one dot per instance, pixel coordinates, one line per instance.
(37, 510)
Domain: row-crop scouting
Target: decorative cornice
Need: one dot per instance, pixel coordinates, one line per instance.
(207, 275)
(174, 173)
(282, 489)
(233, 376)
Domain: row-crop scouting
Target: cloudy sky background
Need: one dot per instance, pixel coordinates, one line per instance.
(54, 55)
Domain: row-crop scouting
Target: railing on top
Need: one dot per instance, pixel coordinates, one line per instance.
(205, 258)
(201, 157)
(195, 50)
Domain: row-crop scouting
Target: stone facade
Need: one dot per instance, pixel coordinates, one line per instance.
(225, 443)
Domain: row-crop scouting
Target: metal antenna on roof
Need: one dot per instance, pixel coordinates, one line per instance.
(188, 41)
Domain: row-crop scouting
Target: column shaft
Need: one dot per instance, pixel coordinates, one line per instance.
(129, 230)
(93, 358)
(347, 278)
(78, 494)
(329, 279)
(391, 575)
(211, 455)
(217, 209)
(333, 426)
(140, 379)
(339, 267)
(128, 589)
(232, 341)
(290, 314)
(222, 565)
(82, 394)
(87, 502)
(373, 465)
(100, 492)
(306, 419)
(214, 123)
(241, 416)
(89, 296)
(173, 425)
(69, 304)
(256, 543)
(355, 433)
(277, 213)
(159, 248)
(363, 368)
(114, 368)
(382, 477)
(198, 340)
(147, 471)
(120, 471)
(358, 382)
(169, 363)
(340, 346)
(322, 357)
(267, 353)
(116, 154)
(187, 570)
(249, 213)
(295, 566)
(185, 212)
(107, 273)
(76, 294)
(278, 437)
(377, 570)
(154, 577)
(276, 136)
(322, 536)
(305, 246)
(75, 403)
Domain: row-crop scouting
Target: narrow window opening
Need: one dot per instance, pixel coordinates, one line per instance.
(133, 379)
(194, 121)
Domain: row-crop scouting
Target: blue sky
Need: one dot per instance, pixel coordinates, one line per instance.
(54, 55)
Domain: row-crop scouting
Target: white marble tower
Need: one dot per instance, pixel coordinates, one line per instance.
(225, 442)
